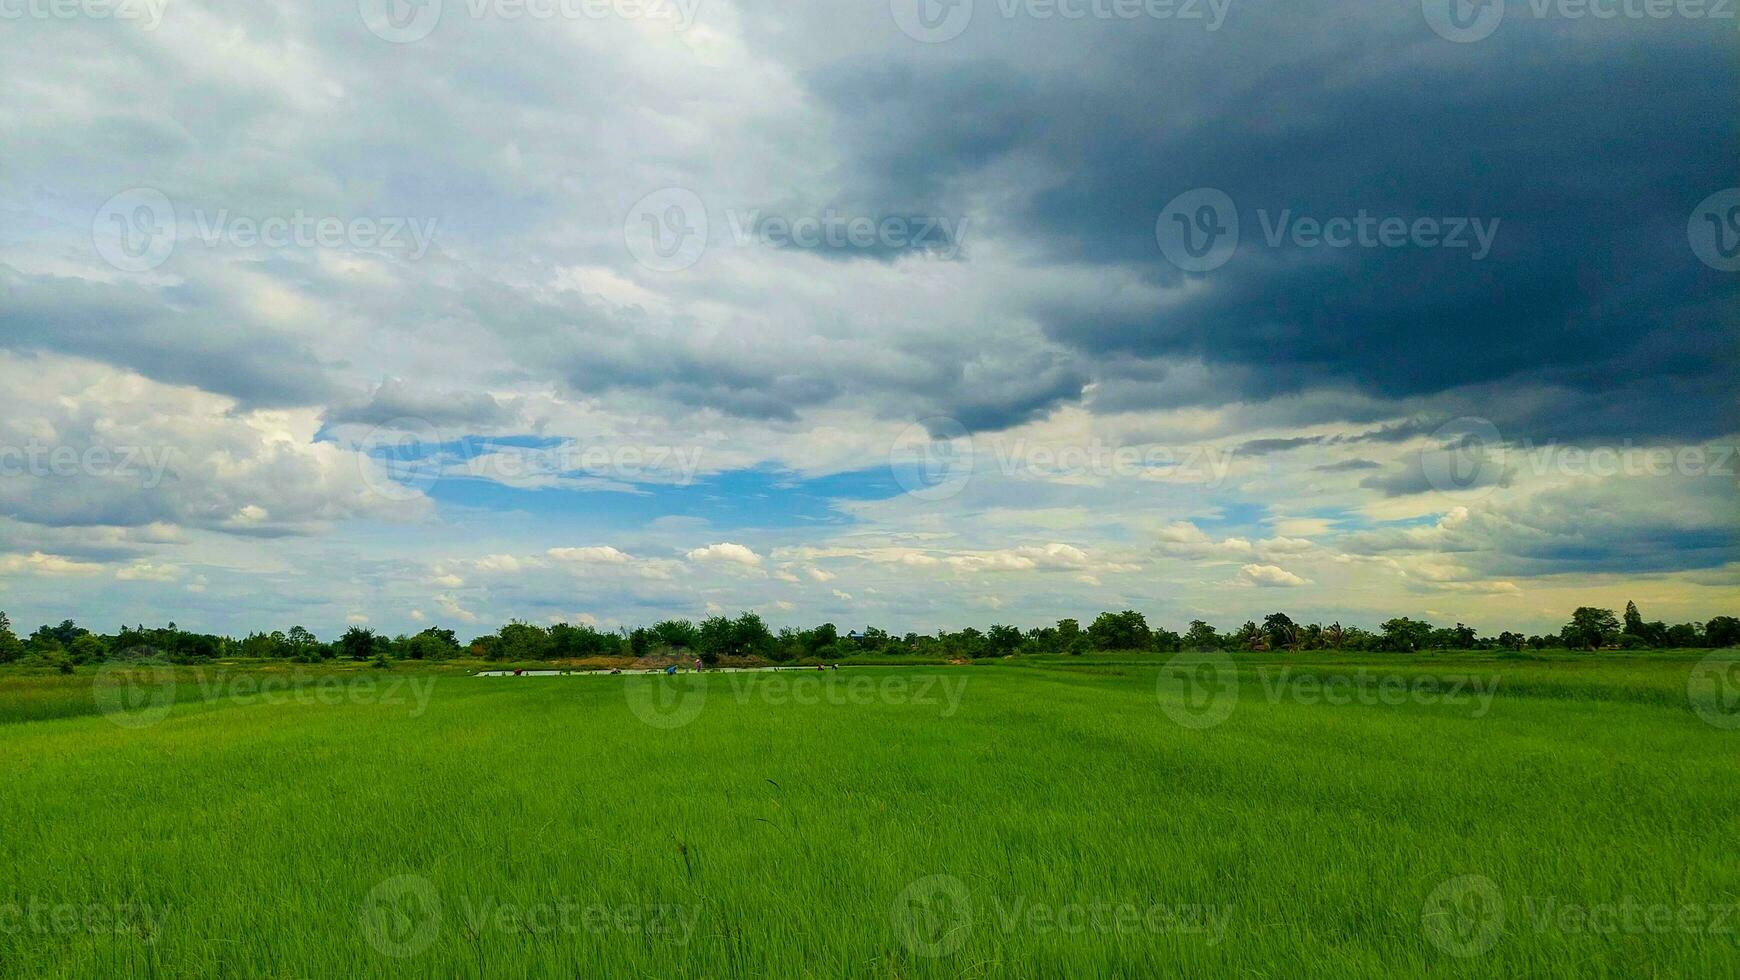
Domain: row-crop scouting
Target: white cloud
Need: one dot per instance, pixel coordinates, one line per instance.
(726, 552)
(1269, 576)
(38, 563)
(597, 554)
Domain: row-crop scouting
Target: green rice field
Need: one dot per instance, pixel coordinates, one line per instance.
(1102, 816)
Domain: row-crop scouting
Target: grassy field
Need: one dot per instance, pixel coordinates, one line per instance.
(1318, 815)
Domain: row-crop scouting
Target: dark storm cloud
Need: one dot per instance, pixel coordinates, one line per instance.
(1552, 533)
(396, 400)
(1349, 466)
(1589, 152)
(182, 336)
(1395, 432)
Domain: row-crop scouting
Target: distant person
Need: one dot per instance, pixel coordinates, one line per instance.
(517, 672)
(697, 664)
(672, 669)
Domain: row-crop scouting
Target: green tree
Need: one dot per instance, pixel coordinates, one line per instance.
(1722, 631)
(1002, 640)
(1201, 636)
(1280, 631)
(1070, 638)
(820, 638)
(678, 634)
(358, 643)
(1590, 628)
(750, 636)
(1405, 635)
(1633, 619)
(715, 639)
(88, 649)
(304, 646)
(433, 644)
(11, 648)
(524, 641)
(1127, 630)
(1250, 637)
(1684, 635)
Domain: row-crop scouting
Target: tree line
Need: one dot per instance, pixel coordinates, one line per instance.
(747, 635)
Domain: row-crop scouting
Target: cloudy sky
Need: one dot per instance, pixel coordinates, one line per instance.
(916, 314)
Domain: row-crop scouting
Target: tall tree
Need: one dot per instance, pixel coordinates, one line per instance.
(1633, 619)
(11, 648)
